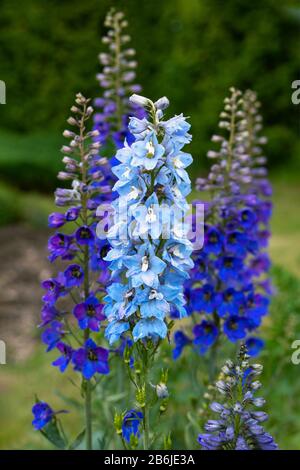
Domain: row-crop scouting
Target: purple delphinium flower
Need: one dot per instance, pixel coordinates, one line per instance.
(74, 276)
(52, 335)
(239, 424)
(89, 313)
(78, 284)
(79, 165)
(61, 245)
(55, 288)
(90, 360)
(84, 235)
(56, 220)
(63, 361)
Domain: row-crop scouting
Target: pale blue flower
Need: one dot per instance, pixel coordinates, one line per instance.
(154, 260)
(147, 152)
(120, 302)
(115, 329)
(137, 126)
(144, 267)
(148, 218)
(149, 328)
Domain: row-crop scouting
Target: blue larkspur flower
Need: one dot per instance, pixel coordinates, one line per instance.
(254, 345)
(42, 413)
(235, 328)
(131, 424)
(181, 340)
(205, 299)
(233, 259)
(205, 334)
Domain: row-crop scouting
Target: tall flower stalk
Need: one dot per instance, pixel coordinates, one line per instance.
(117, 80)
(238, 426)
(72, 310)
(150, 251)
(229, 290)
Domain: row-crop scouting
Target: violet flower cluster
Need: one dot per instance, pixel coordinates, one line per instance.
(117, 79)
(150, 251)
(228, 287)
(239, 426)
(72, 310)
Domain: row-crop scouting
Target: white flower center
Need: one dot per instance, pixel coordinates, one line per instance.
(127, 173)
(177, 162)
(145, 263)
(176, 191)
(151, 216)
(155, 295)
(176, 252)
(134, 193)
(150, 149)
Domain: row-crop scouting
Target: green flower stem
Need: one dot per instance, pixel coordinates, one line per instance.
(146, 407)
(88, 388)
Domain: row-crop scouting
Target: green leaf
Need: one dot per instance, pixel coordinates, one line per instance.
(52, 433)
(76, 443)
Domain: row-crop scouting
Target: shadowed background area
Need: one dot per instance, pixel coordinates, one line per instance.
(191, 51)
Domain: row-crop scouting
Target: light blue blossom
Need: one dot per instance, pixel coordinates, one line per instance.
(153, 261)
(152, 327)
(144, 267)
(147, 152)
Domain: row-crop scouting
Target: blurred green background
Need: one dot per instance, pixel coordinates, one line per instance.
(192, 51)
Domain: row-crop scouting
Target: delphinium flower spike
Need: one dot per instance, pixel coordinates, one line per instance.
(72, 310)
(239, 424)
(228, 290)
(117, 79)
(150, 253)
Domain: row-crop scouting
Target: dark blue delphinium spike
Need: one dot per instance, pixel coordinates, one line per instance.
(229, 284)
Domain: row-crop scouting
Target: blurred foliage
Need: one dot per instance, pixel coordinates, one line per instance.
(10, 209)
(191, 51)
(31, 161)
(18, 206)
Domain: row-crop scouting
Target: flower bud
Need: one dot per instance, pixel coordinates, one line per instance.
(72, 121)
(118, 419)
(140, 100)
(141, 396)
(162, 103)
(162, 390)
